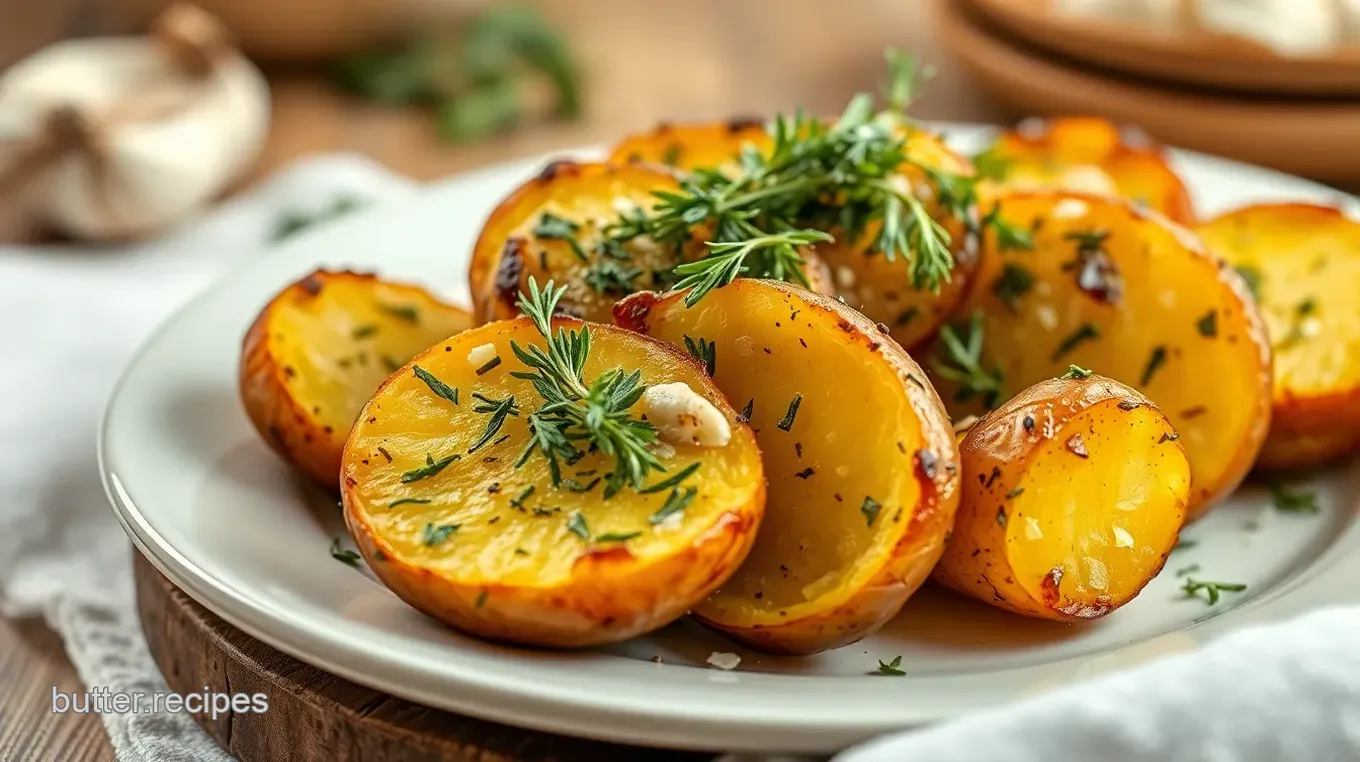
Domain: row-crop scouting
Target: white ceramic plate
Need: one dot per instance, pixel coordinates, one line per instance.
(226, 521)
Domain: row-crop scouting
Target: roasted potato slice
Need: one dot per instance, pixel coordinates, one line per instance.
(1074, 494)
(687, 147)
(449, 518)
(551, 229)
(861, 462)
(1088, 155)
(1125, 292)
(1304, 261)
(318, 350)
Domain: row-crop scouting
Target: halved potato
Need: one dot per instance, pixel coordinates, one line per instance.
(318, 350)
(1125, 292)
(1305, 264)
(861, 274)
(1074, 494)
(1089, 155)
(861, 462)
(551, 229)
(687, 147)
(448, 519)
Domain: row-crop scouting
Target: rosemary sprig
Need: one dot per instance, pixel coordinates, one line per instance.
(1211, 590)
(960, 361)
(499, 410)
(573, 412)
(705, 351)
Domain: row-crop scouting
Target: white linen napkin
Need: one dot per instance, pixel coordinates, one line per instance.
(1282, 692)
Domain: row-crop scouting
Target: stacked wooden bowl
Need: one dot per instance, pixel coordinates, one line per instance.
(1191, 88)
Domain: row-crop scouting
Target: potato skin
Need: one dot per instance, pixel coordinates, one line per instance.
(1302, 254)
(1000, 450)
(1136, 164)
(687, 147)
(1168, 282)
(291, 426)
(610, 594)
(907, 561)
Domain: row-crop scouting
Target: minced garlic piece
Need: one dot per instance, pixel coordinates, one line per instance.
(481, 355)
(681, 415)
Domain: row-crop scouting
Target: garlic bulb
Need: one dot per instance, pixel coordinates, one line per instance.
(125, 136)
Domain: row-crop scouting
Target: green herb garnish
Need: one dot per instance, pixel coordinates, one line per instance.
(435, 535)
(786, 423)
(1076, 371)
(705, 351)
(1211, 590)
(893, 667)
(406, 312)
(1252, 277)
(1208, 325)
(1014, 282)
(347, 557)
(671, 481)
(675, 503)
(870, 509)
(553, 228)
(363, 331)
(440, 388)
(499, 410)
(1154, 364)
(607, 276)
(430, 468)
(490, 365)
(960, 361)
(1087, 332)
(411, 500)
(617, 536)
(576, 524)
(524, 494)
(1294, 501)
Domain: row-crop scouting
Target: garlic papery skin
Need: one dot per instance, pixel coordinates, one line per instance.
(162, 142)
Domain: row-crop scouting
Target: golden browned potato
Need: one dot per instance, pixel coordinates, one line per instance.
(553, 228)
(861, 274)
(1304, 264)
(1073, 496)
(1127, 293)
(456, 519)
(687, 147)
(318, 350)
(861, 462)
(1089, 155)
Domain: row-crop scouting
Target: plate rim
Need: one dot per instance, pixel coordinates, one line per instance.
(508, 698)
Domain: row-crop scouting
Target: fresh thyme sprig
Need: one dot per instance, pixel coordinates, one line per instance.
(816, 177)
(960, 361)
(575, 412)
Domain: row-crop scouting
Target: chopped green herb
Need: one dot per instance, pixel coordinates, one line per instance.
(671, 481)
(575, 486)
(787, 422)
(1211, 590)
(1076, 371)
(430, 468)
(411, 500)
(991, 164)
(617, 536)
(363, 331)
(1017, 492)
(1252, 277)
(870, 509)
(907, 316)
(391, 365)
(551, 227)
(576, 524)
(348, 557)
(1001, 516)
(435, 535)
(438, 387)
(1008, 237)
(1087, 332)
(499, 410)
(672, 155)
(1208, 325)
(705, 351)
(1154, 364)
(521, 552)
(1014, 282)
(960, 361)
(407, 312)
(607, 275)
(1185, 544)
(675, 503)
(893, 667)
(1294, 501)
(481, 599)
(518, 501)
(748, 410)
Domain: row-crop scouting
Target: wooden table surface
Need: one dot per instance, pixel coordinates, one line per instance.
(645, 61)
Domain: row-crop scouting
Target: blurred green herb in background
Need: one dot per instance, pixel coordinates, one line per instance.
(474, 78)
(295, 221)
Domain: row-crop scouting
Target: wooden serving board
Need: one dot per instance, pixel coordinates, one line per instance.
(1191, 56)
(1309, 137)
(317, 717)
